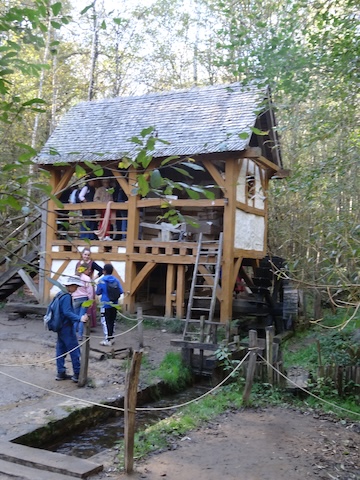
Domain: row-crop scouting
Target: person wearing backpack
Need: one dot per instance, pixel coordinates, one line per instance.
(110, 290)
(67, 341)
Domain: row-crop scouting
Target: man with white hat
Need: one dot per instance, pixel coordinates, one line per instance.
(67, 341)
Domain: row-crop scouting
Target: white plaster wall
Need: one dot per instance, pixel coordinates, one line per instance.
(260, 197)
(259, 193)
(240, 186)
(249, 231)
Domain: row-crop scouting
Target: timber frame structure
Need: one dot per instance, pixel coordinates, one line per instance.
(228, 130)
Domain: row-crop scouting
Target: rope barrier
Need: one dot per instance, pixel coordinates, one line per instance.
(169, 407)
(43, 362)
(119, 408)
(88, 402)
(307, 391)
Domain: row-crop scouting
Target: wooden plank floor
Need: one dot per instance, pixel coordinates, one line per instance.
(43, 461)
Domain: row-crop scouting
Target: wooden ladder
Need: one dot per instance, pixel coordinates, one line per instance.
(206, 277)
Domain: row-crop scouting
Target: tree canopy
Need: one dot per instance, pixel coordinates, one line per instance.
(53, 56)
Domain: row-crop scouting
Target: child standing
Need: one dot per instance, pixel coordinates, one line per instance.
(82, 294)
(108, 308)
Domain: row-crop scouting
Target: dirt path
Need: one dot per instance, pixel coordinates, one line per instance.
(271, 444)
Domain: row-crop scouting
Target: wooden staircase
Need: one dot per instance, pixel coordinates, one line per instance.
(19, 262)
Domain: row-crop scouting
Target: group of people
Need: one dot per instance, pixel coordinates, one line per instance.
(91, 228)
(79, 307)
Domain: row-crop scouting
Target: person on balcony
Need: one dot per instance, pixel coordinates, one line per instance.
(89, 224)
(104, 193)
(121, 215)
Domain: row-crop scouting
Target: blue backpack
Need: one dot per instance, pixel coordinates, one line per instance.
(52, 318)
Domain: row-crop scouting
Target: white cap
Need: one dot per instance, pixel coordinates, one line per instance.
(73, 281)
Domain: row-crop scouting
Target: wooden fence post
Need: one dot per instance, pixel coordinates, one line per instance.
(139, 319)
(269, 332)
(251, 366)
(131, 385)
(85, 353)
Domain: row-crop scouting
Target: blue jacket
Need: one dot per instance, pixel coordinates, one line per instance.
(67, 310)
(102, 289)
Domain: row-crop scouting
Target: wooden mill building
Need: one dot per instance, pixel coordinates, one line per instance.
(227, 130)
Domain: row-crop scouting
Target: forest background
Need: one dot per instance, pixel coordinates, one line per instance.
(53, 56)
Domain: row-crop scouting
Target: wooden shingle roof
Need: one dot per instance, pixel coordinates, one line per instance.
(193, 122)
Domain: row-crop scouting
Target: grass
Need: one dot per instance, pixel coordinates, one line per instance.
(174, 372)
(325, 343)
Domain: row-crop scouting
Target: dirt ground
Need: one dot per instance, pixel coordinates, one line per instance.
(267, 444)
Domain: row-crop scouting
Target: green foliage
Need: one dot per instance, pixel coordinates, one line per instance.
(174, 372)
(225, 357)
(151, 178)
(337, 346)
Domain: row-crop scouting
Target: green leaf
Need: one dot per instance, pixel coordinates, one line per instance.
(243, 135)
(26, 147)
(257, 131)
(103, 25)
(136, 140)
(97, 170)
(194, 166)
(87, 8)
(25, 156)
(56, 8)
(183, 172)
(56, 25)
(156, 180)
(192, 194)
(169, 159)
(80, 171)
(147, 131)
(33, 101)
(143, 185)
(13, 202)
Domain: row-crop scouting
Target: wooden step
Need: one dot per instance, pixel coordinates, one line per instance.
(10, 470)
(49, 461)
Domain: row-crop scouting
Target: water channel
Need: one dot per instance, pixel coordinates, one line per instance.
(96, 439)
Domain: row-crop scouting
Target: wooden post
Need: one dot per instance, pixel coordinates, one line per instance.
(202, 328)
(269, 332)
(251, 366)
(139, 318)
(131, 386)
(85, 353)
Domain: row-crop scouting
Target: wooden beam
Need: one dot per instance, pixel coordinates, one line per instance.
(141, 276)
(170, 281)
(237, 266)
(132, 234)
(180, 291)
(282, 173)
(157, 202)
(249, 209)
(214, 172)
(267, 163)
(124, 184)
(231, 177)
(50, 234)
(64, 180)
(251, 152)
(29, 283)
